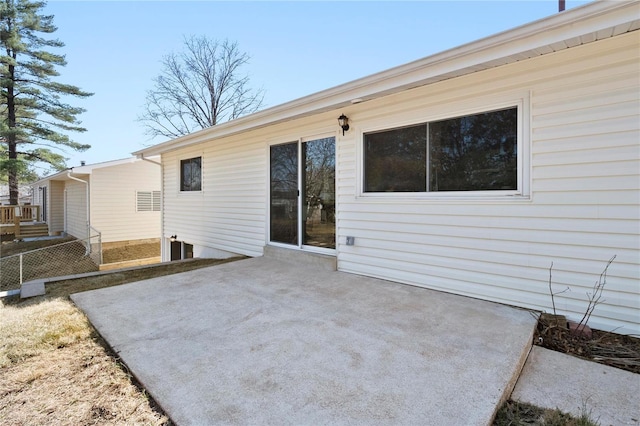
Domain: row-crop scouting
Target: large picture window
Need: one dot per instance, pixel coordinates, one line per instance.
(191, 174)
(472, 153)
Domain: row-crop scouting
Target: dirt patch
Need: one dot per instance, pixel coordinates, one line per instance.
(131, 252)
(9, 248)
(615, 350)
(520, 414)
(64, 288)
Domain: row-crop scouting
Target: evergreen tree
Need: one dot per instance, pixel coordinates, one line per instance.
(33, 112)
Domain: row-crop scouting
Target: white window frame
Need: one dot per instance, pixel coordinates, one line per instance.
(523, 191)
(191, 157)
(299, 141)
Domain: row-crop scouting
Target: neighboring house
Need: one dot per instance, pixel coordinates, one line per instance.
(469, 171)
(119, 199)
(24, 195)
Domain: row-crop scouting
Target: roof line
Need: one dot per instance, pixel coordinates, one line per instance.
(558, 27)
(87, 169)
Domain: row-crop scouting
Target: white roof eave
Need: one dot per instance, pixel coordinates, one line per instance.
(579, 25)
(87, 169)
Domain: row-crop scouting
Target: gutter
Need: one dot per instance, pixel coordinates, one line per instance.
(141, 156)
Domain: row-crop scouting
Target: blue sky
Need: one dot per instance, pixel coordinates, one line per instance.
(114, 48)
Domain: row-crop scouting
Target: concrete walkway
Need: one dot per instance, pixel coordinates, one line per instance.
(607, 395)
(273, 341)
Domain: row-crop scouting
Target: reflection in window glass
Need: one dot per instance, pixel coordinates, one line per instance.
(190, 174)
(284, 193)
(474, 153)
(188, 251)
(395, 160)
(319, 186)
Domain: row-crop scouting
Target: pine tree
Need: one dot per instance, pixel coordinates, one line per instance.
(33, 112)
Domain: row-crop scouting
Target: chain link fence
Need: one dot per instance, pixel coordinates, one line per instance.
(72, 257)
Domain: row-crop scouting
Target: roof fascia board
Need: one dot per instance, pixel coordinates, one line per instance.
(86, 170)
(90, 167)
(559, 27)
(54, 176)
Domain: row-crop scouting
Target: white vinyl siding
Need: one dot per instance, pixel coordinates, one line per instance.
(229, 212)
(55, 215)
(37, 198)
(585, 166)
(580, 189)
(76, 208)
(114, 201)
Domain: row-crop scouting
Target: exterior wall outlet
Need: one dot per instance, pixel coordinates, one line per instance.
(351, 241)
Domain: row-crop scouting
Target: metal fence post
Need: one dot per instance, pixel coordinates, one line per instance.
(20, 269)
(100, 246)
(17, 215)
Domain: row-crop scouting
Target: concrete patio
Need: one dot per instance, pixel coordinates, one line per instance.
(288, 340)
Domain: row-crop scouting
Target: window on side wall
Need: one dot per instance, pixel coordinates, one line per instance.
(476, 152)
(191, 174)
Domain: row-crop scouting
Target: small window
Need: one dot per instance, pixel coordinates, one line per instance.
(471, 153)
(148, 201)
(191, 174)
(181, 250)
(188, 251)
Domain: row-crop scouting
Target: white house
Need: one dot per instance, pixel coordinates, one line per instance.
(119, 199)
(469, 171)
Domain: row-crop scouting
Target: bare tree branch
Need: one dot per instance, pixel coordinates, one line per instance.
(199, 88)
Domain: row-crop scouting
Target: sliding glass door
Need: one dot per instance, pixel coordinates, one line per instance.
(319, 193)
(284, 193)
(303, 193)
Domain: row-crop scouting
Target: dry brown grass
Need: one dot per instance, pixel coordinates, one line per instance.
(55, 369)
(64, 288)
(31, 329)
(520, 414)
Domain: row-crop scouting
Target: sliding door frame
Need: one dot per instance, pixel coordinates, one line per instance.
(300, 194)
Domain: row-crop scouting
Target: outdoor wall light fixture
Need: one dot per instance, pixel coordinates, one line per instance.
(343, 121)
(173, 238)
